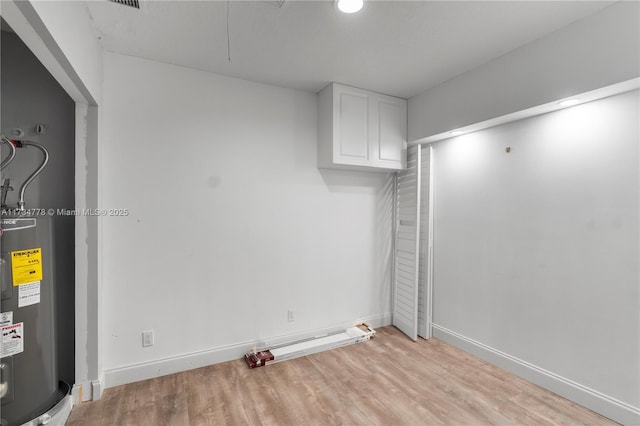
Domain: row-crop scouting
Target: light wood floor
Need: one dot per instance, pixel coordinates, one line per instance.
(389, 381)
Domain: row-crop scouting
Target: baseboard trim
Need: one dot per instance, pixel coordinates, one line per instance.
(97, 388)
(161, 367)
(618, 411)
(83, 391)
(76, 393)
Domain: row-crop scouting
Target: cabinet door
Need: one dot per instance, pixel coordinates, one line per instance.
(351, 126)
(390, 132)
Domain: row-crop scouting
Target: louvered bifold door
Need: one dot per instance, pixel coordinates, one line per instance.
(405, 295)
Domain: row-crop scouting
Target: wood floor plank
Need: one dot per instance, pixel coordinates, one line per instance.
(390, 380)
(198, 396)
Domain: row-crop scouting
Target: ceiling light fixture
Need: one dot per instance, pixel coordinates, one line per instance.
(349, 6)
(569, 102)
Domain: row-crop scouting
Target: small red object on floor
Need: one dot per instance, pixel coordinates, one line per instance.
(258, 359)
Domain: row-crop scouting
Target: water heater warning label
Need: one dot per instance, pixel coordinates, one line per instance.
(26, 266)
(28, 294)
(12, 339)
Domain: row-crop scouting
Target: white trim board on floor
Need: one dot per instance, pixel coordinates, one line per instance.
(600, 403)
(162, 367)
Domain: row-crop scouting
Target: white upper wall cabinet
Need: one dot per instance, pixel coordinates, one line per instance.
(359, 129)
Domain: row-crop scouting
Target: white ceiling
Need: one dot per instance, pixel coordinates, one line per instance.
(396, 47)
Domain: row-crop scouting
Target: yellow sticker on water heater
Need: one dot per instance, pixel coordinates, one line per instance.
(26, 266)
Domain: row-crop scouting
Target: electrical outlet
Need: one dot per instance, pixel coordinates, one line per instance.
(291, 315)
(147, 338)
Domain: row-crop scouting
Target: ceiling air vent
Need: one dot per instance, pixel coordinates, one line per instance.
(130, 3)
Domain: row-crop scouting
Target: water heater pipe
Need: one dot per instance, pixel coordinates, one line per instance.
(35, 174)
(12, 154)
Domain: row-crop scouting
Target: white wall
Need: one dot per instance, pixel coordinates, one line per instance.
(597, 51)
(536, 251)
(231, 222)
